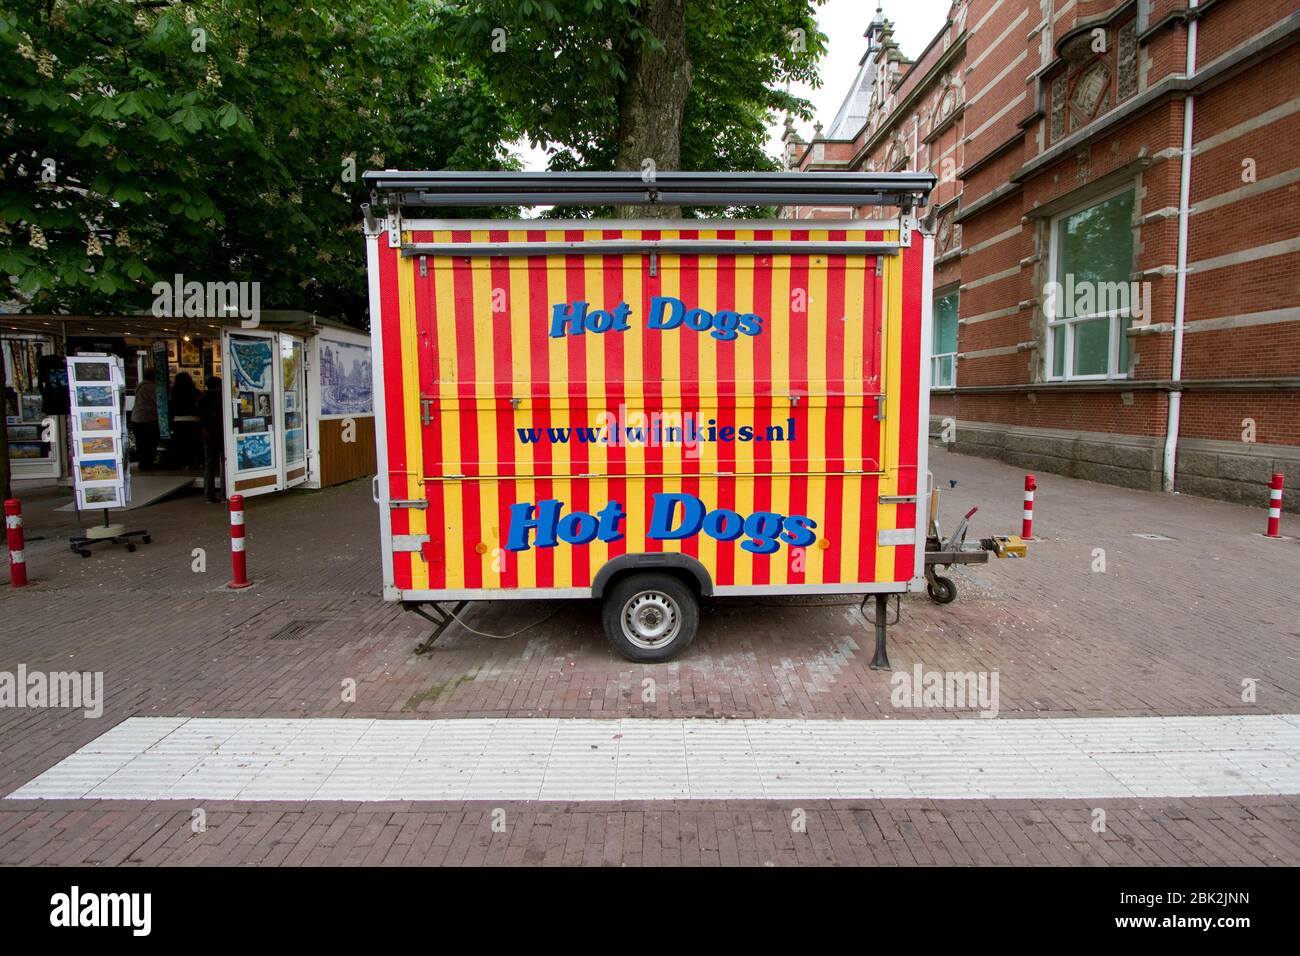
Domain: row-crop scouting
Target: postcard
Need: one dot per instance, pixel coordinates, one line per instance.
(95, 421)
(92, 371)
(90, 396)
(98, 469)
(97, 446)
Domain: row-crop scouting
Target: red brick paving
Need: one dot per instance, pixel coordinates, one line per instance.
(1170, 627)
(1246, 831)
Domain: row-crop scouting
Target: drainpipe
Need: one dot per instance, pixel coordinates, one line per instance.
(1180, 281)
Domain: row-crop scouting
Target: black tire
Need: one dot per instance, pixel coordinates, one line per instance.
(665, 601)
(147, 540)
(941, 590)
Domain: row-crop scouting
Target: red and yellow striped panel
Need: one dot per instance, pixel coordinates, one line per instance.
(516, 414)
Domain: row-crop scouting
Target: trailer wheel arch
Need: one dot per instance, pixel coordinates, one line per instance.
(683, 566)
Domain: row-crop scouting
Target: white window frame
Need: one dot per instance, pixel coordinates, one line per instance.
(1063, 326)
(934, 335)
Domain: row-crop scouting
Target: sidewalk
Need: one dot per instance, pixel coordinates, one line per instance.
(1171, 627)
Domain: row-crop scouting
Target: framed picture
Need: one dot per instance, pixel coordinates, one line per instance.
(345, 385)
(252, 424)
(294, 448)
(253, 451)
(171, 351)
(263, 406)
(32, 407)
(191, 352)
(24, 432)
(251, 362)
(92, 396)
(290, 401)
(95, 421)
(245, 403)
(28, 449)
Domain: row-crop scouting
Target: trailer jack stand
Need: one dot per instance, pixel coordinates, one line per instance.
(441, 619)
(881, 621)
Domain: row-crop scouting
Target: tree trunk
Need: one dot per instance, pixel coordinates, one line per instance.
(653, 101)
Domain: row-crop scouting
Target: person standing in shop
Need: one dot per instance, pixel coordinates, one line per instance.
(184, 407)
(144, 421)
(214, 439)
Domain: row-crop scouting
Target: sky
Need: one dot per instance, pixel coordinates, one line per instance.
(843, 22)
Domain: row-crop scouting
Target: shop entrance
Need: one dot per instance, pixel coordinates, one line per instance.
(266, 445)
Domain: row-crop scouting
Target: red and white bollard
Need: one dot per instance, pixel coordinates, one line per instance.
(14, 538)
(1274, 508)
(238, 559)
(1027, 525)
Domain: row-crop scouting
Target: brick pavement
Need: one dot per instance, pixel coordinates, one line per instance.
(1243, 831)
(1169, 627)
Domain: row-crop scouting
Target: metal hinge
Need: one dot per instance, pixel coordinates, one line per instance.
(880, 408)
(394, 230)
(654, 264)
(880, 266)
(426, 413)
(418, 503)
(424, 267)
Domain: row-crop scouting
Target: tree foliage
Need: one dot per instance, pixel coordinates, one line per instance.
(560, 66)
(217, 140)
(145, 138)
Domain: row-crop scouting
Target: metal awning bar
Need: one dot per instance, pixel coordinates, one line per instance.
(439, 188)
(694, 247)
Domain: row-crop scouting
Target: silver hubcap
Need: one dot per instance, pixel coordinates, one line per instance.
(651, 619)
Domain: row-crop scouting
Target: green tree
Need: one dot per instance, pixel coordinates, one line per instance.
(222, 140)
(621, 84)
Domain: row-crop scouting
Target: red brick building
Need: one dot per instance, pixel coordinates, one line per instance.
(1117, 275)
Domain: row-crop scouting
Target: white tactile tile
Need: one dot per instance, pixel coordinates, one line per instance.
(134, 736)
(147, 776)
(75, 776)
(148, 758)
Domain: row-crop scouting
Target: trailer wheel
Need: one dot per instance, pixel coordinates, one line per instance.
(650, 618)
(941, 590)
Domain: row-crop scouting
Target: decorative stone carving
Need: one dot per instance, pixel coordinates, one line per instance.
(1127, 65)
(1058, 107)
(1090, 87)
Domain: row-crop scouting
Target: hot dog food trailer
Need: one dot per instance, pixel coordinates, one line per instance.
(651, 411)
